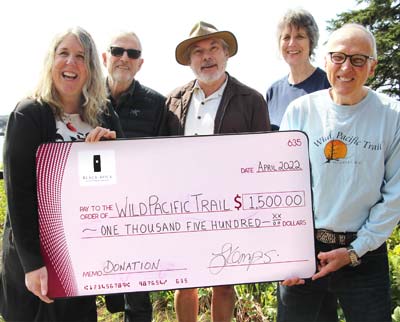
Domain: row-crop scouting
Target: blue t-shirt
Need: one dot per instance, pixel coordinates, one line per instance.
(281, 93)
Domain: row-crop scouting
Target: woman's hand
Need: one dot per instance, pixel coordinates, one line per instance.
(36, 282)
(99, 133)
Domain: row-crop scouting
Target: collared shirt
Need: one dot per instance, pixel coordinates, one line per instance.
(202, 111)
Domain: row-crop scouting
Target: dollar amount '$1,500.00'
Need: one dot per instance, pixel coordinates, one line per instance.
(269, 200)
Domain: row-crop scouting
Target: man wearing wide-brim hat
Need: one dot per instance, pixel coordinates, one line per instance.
(213, 103)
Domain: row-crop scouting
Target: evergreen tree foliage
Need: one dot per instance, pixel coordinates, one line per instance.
(382, 18)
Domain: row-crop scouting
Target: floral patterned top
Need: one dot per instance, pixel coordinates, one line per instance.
(71, 127)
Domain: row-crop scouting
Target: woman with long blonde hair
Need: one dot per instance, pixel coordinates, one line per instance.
(69, 104)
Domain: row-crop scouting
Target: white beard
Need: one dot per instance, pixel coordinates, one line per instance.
(210, 78)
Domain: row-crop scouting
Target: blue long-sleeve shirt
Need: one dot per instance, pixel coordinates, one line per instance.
(355, 163)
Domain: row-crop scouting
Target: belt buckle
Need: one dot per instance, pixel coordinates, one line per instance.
(326, 237)
(330, 237)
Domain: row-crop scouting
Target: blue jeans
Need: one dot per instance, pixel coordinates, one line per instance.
(363, 292)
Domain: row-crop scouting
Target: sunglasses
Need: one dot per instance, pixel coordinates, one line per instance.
(119, 51)
(357, 60)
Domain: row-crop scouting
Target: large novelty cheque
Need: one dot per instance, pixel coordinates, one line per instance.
(180, 212)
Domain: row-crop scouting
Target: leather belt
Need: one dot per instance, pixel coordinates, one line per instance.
(330, 237)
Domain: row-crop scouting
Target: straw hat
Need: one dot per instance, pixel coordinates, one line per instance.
(203, 30)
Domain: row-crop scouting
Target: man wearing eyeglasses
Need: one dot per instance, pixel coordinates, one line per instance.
(354, 135)
(213, 103)
(141, 111)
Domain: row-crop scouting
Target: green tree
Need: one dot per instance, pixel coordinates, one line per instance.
(382, 18)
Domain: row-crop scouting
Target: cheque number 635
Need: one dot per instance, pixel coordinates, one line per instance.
(294, 142)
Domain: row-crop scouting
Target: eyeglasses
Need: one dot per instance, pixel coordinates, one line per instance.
(119, 51)
(357, 60)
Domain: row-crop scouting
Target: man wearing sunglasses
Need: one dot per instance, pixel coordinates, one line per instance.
(354, 135)
(213, 103)
(141, 111)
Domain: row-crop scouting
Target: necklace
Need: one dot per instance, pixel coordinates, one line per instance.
(68, 119)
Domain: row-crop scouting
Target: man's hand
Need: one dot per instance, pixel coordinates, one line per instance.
(331, 261)
(99, 133)
(36, 282)
(292, 281)
(328, 262)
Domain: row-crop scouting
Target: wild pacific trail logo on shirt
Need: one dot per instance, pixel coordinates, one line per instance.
(335, 150)
(336, 147)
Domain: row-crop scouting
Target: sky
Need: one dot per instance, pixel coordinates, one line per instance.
(27, 28)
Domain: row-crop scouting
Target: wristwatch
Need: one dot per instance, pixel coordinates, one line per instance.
(355, 260)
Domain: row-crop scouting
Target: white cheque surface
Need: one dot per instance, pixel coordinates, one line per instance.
(168, 213)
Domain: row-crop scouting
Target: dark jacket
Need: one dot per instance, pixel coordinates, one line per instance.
(29, 125)
(242, 109)
(140, 110)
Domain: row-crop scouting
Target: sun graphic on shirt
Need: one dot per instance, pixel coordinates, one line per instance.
(335, 150)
